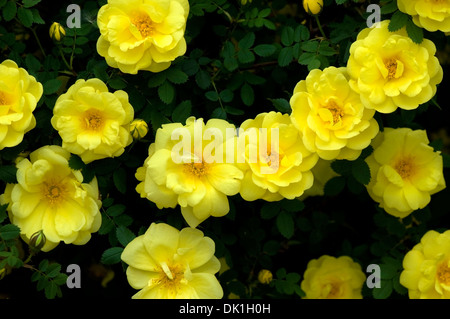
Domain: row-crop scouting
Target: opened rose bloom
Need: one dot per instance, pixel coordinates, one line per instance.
(431, 15)
(330, 115)
(51, 197)
(92, 122)
(19, 94)
(333, 278)
(166, 263)
(187, 166)
(426, 272)
(390, 71)
(405, 171)
(276, 163)
(142, 34)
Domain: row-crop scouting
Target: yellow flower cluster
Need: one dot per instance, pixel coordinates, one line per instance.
(51, 197)
(165, 263)
(430, 15)
(92, 122)
(390, 71)
(426, 272)
(405, 171)
(19, 94)
(142, 34)
(333, 278)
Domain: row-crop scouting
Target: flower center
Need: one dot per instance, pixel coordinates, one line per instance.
(4, 99)
(53, 192)
(272, 157)
(196, 169)
(336, 112)
(391, 66)
(144, 24)
(170, 278)
(333, 290)
(93, 120)
(443, 273)
(404, 167)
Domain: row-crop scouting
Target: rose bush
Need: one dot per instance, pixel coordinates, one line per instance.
(273, 149)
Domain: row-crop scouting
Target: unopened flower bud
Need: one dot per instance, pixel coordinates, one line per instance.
(313, 7)
(138, 129)
(2, 273)
(265, 276)
(37, 241)
(57, 31)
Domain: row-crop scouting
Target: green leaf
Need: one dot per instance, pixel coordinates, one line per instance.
(8, 174)
(219, 113)
(51, 86)
(384, 291)
(177, 76)
(246, 56)
(285, 224)
(53, 270)
(398, 21)
(9, 231)
(75, 162)
(9, 10)
(247, 41)
(111, 255)
(30, 3)
(182, 111)
(116, 210)
(414, 32)
(269, 210)
(166, 92)
(265, 50)
(287, 36)
(124, 235)
(247, 94)
(117, 83)
(334, 186)
(281, 105)
(361, 171)
(230, 63)
(226, 95)
(203, 79)
(285, 57)
(32, 63)
(342, 167)
(120, 180)
(51, 290)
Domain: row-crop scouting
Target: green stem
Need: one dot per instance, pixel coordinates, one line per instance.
(64, 59)
(320, 26)
(38, 42)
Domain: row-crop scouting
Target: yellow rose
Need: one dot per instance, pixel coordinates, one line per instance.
(426, 272)
(405, 171)
(51, 197)
(19, 94)
(329, 114)
(313, 7)
(92, 122)
(142, 34)
(431, 15)
(391, 71)
(276, 163)
(165, 263)
(199, 179)
(138, 129)
(57, 31)
(333, 278)
(265, 276)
